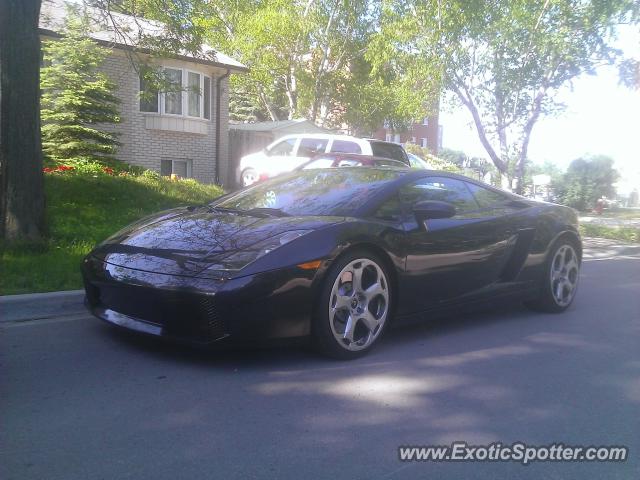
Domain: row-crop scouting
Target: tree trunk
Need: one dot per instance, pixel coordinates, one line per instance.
(22, 183)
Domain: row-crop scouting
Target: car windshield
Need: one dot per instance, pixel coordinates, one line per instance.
(313, 192)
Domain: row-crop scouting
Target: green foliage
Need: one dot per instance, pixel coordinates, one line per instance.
(438, 163)
(78, 101)
(310, 59)
(82, 210)
(505, 60)
(456, 157)
(586, 180)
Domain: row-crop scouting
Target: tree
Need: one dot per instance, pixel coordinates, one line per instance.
(311, 58)
(456, 157)
(587, 180)
(21, 191)
(504, 60)
(77, 100)
(21, 180)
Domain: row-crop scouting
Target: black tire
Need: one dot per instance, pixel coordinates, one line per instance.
(547, 301)
(322, 334)
(246, 172)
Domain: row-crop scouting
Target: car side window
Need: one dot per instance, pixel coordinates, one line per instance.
(312, 146)
(391, 210)
(389, 150)
(345, 146)
(284, 148)
(442, 189)
(487, 198)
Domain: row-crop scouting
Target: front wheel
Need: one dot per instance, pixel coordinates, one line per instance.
(560, 280)
(354, 308)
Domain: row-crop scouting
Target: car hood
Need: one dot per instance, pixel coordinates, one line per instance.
(188, 241)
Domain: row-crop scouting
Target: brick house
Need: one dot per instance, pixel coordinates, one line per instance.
(180, 132)
(427, 133)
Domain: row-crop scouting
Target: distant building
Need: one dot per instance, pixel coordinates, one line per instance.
(426, 133)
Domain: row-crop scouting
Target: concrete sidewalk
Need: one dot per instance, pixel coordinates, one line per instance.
(36, 306)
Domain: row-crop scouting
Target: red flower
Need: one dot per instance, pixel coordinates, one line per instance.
(108, 170)
(47, 169)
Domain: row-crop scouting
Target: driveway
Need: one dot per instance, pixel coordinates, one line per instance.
(79, 400)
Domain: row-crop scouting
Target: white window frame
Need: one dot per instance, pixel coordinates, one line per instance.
(423, 142)
(388, 137)
(188, 161)
(184, 78)
(425, 121)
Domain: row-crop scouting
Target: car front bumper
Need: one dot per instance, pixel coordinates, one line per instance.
(269, 305)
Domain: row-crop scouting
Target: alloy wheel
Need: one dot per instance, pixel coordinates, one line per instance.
(359, 304)
(565, 268)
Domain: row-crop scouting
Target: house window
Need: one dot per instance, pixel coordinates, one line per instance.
(425, 121)
(193, 94)
(181, 168)
(189, 94)
(413, 139)
(149, 97)
(206, 97)
(173, 97)
(389, 137)
(396, 138)
(423, 142)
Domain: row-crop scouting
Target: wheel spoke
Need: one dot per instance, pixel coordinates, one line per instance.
(349, 329)
(559, 290)
(370, 321)
(342, 302)
(357, 277)
(374, 289)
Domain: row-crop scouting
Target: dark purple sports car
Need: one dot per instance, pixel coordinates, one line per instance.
(334, 255)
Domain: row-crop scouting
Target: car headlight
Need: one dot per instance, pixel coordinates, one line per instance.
(242, 258)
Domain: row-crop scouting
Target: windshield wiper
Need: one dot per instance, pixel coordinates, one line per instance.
(267, 212)
(212, 208)
(256, 212)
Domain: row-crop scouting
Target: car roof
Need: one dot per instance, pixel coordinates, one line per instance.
(327, 136)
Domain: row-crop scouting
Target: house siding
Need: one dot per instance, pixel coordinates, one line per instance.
(146, 147)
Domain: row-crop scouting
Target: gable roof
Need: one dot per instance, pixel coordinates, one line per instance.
(125, 32)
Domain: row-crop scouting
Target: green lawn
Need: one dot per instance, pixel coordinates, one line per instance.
(83, 210)
(626, 234)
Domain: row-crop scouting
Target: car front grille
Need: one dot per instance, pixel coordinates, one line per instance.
(181, 314)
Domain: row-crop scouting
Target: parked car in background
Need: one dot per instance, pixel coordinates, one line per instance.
(335, 160)
(291, 151)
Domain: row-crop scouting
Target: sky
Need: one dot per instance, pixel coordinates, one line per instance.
(602, 117)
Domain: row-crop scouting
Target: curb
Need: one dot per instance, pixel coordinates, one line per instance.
(34, 306)
(30, 297)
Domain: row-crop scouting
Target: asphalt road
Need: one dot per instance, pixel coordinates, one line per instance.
(79, 400)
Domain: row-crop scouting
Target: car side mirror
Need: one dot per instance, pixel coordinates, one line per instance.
(432, 209)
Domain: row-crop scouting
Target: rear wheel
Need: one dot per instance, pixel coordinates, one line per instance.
(249, 177)
(560, 280)
(354, 308)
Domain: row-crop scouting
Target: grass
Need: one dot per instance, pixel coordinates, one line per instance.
(622, 213)
(627, 234)
(83, 210)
